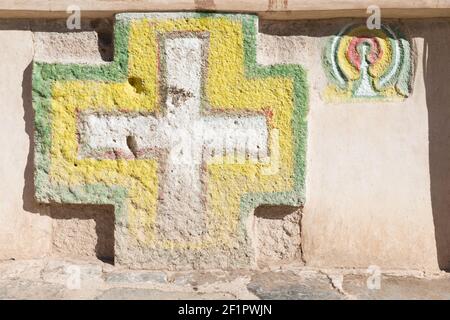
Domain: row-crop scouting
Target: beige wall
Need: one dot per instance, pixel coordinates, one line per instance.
(24, 228)
(368, 172)
(368, 197)
(378, 175)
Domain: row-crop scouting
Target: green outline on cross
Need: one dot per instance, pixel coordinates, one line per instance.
(45, 75)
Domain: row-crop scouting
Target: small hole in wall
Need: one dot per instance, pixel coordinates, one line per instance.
(83, 231)
(132, 145)
(137, 83)
(277, 234)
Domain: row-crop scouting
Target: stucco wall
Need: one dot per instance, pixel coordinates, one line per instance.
(377, 177)
(368, 188)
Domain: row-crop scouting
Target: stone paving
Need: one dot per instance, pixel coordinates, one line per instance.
(73, 279)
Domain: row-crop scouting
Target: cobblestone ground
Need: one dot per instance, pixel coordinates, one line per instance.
(70, 279)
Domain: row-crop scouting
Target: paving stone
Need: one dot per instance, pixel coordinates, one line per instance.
(151, 294)
(290, 286)
(50, 279)
(182, 279)
(63, 272)
(199, 278)
(25, 269)
(398, 288)
(30, 290)
(136, 277)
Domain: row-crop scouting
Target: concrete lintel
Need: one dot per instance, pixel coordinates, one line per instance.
(267, 9)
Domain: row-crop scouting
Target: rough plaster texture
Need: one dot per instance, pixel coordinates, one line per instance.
(278, 234)
(377, 182)
(83, 231)
(54, 43)
(67, 47)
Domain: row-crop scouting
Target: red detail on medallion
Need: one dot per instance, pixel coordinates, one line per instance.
(375, 52)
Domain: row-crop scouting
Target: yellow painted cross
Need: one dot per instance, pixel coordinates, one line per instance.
(188, 91)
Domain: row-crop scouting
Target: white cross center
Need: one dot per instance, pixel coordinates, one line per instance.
(184, 138)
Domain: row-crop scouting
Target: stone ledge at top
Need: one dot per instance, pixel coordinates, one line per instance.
(268, 9)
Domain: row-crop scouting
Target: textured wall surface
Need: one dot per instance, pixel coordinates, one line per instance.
(132, 178)
(183, 133)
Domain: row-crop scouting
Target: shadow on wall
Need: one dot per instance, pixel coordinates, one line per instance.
(29, 203)
(83, 231)
(436, 65)
(78, 230)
